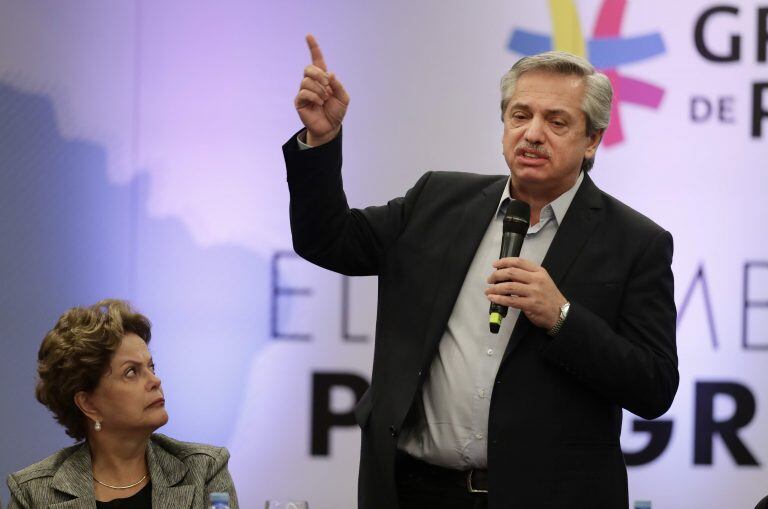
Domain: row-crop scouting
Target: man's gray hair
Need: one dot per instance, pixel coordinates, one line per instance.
(598, 92)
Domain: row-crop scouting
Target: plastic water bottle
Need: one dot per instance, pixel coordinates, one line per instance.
(218, 500)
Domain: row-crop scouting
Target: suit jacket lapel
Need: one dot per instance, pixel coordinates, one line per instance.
(167, 472)
(459, 254)
(578, 224)
(74, 478)
(580, 220)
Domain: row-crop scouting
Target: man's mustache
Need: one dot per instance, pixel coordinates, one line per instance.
(535, 148)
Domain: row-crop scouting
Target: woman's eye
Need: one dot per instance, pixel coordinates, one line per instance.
(130, 372)
(152, 368)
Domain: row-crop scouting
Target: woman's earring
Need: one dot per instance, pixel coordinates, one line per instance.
(97, 426)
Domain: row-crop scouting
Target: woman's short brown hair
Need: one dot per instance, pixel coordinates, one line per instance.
(76, 353)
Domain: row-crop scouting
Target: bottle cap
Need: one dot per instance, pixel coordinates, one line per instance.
(218, 497)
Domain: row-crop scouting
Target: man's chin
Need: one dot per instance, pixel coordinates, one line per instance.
(524, 174)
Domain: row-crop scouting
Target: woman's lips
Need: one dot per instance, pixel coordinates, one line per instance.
(157, 403)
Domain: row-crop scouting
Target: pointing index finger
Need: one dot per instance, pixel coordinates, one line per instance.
(317, 55)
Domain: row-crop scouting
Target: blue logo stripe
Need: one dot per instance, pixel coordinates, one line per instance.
(604, 52)
(612, 52)
(529, 43)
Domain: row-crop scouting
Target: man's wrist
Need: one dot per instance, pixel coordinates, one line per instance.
(301, 139)
(316, 141)
(564, 308)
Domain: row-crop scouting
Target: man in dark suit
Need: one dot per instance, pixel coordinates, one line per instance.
(530, 417)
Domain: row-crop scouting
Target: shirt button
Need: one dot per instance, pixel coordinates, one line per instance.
(489, 351)
(481, 393)
(479, 436)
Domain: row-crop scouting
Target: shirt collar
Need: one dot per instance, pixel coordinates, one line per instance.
(561, 203)
(559, 206)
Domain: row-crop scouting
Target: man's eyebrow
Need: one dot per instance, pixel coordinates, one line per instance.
(557, 111)
(554, 111)
(519, 106)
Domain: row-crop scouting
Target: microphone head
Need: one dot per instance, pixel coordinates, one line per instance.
(518, 217)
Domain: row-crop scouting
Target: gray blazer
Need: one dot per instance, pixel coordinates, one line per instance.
(182, 473)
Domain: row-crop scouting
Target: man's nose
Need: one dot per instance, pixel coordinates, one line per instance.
(534, 132)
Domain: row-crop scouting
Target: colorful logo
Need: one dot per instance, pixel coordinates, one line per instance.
(606, 49)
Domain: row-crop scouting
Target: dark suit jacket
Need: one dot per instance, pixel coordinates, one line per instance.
(556, 408)
(182, 475)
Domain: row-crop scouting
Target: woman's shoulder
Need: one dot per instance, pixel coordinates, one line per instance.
(44, 468)
(186, 450)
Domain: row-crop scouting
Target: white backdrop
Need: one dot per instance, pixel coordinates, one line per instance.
(175, 112)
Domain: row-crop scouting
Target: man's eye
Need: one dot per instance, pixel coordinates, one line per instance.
(130, 372)
(152, 368)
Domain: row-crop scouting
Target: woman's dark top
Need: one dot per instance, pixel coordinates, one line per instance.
(141, 500)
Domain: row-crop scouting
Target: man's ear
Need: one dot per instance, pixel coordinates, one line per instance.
(84, 402)
(594, 141)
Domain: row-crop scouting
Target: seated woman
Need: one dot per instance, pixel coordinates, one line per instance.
(97, 377)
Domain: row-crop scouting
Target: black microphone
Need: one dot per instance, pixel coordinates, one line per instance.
(516, 222)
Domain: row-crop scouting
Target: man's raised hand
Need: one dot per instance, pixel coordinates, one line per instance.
(322, 101)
